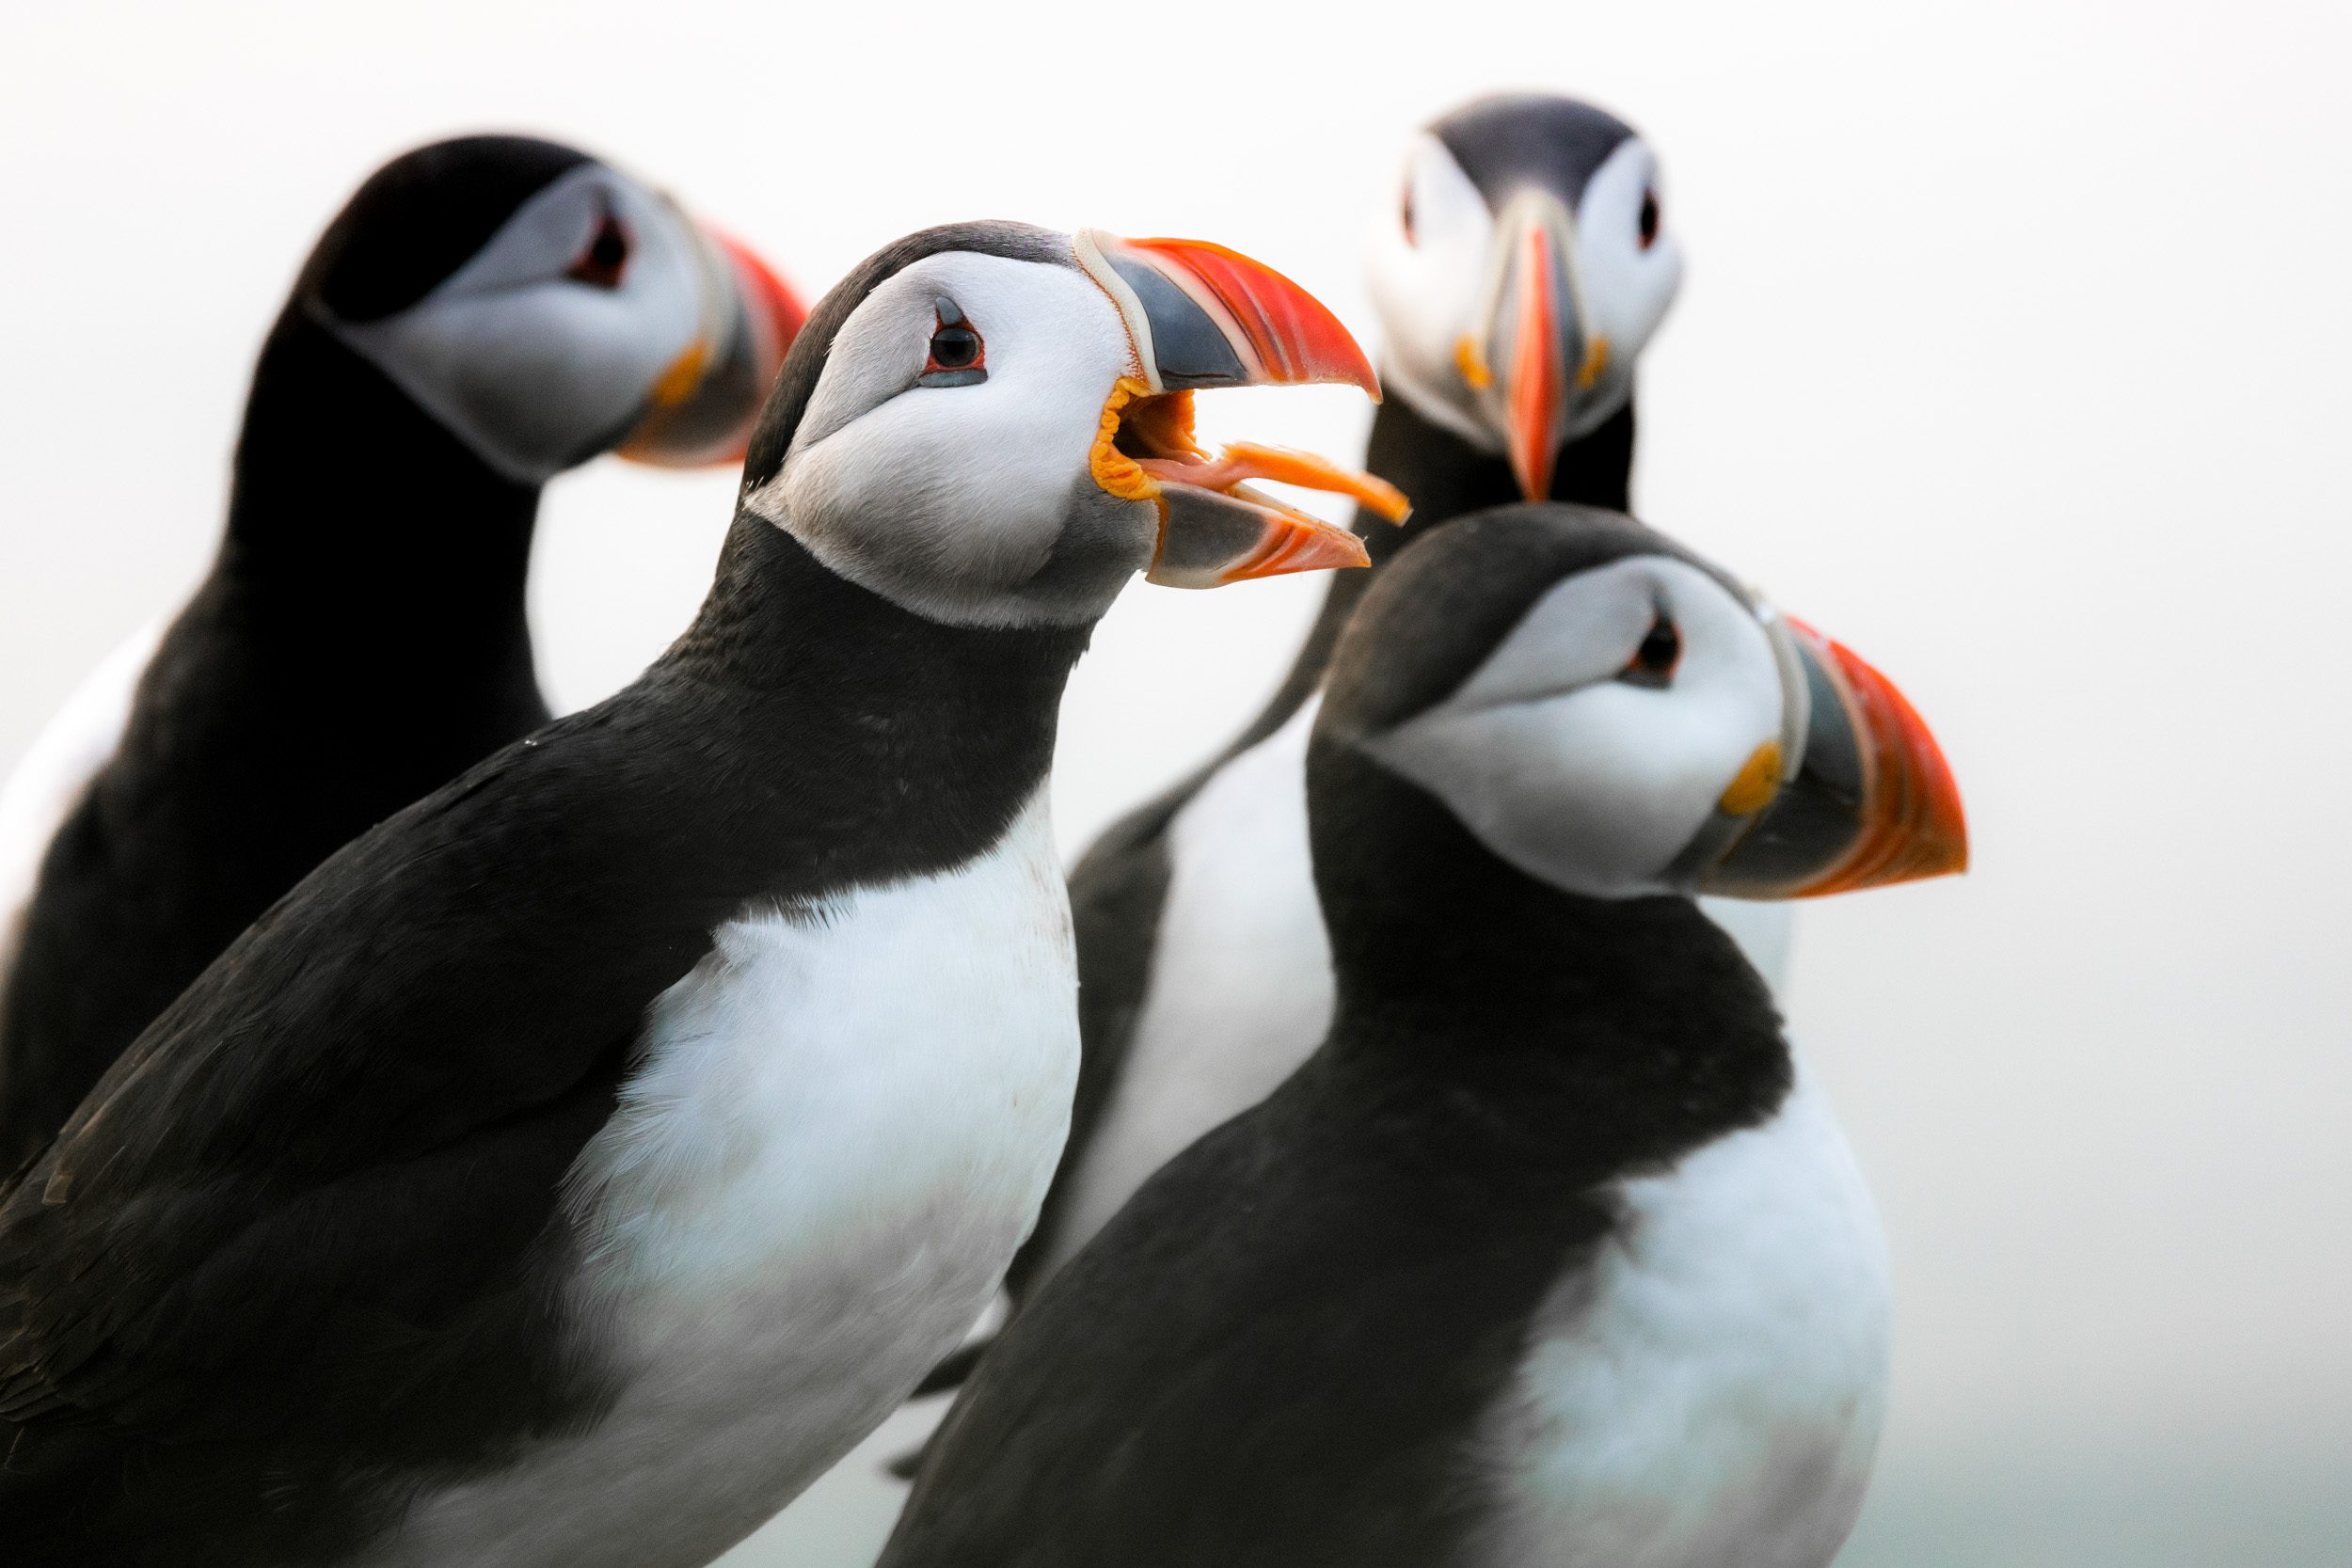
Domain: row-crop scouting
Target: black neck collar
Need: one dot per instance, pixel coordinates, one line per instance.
(1446, 476)
(358, 518)
(1610, 1035)
(876, 742)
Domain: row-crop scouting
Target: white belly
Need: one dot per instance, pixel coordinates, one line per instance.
(1710, 1394)
(48, 782)
(1241, 989)
(843, 1129)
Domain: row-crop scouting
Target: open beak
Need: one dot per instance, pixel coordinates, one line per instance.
(1857, 794)
(1200, 315)
(1533, 350)
(701, 409)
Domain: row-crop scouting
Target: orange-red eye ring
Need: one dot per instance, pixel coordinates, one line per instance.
(956, 370)
(1659, 656)
(604, 259)
(933, 363)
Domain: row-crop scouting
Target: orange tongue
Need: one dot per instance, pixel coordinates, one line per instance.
(1247, 460)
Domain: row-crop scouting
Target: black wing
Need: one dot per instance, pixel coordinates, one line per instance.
(1275, 1356)
(307, 1213)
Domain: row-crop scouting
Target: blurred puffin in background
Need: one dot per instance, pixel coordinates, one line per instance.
(1551, 1255)
(1524, 268)
(485, 313)
(575, 1165)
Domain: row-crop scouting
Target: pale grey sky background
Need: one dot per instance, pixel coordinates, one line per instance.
(2013, 352)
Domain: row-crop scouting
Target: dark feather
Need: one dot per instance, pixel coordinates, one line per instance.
(306, 1235)
(1280, 1354)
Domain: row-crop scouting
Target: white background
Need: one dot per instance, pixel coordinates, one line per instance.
(2013, 352)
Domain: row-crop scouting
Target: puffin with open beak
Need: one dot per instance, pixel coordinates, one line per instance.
(483, 314)
(1204, 316)
(574, 1166)
(1551, 1255)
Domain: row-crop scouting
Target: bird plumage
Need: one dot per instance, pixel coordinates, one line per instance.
(1550, 1252)
(314, 1219)
(360, 638)
(1149, 1007)
(573, 1166)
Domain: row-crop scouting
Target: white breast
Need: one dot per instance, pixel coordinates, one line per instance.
(843, 1128)
(48, 783)
(1709, 1394)
(1241, 990)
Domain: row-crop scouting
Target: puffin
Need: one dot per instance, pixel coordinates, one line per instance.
(1518, 276)
(574, 1166)
(1551, 1254)
(483, 315)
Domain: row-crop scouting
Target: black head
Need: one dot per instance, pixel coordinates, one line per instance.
(1523, 270)
(1605, 713)
(1513, 141)
(545, 308)
(422, 217)
(989, 424)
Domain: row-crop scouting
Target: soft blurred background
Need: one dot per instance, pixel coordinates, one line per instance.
(2015, 350)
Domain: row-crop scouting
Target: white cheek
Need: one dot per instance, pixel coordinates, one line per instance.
(531, 375)
(1627, 289)
(927, 487)
(1600, 787)
(1557, 788)
(947, 499)
(1427, 291)
(1428, 297)
(529, 367)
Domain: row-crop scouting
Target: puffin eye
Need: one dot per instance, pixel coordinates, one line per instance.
(954, 348)
(1411, 236)
(958, 356)
(1649, 219)
(1653, 663)
(606, 256)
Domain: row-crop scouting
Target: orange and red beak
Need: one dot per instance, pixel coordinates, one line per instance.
(1857, 795)
(1534, 351)
(1200, 315)
(701, 410)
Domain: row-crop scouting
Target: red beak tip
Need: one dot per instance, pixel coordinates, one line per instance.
(1924, 830)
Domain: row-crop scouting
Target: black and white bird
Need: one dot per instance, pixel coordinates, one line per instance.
(572, 1167)
(485, 313)
(1517, 281)
(1551, 1255)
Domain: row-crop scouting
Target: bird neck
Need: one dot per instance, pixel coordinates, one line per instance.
(365, 529)
(1444, 476)
(899, 744)
(1606, 1033)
